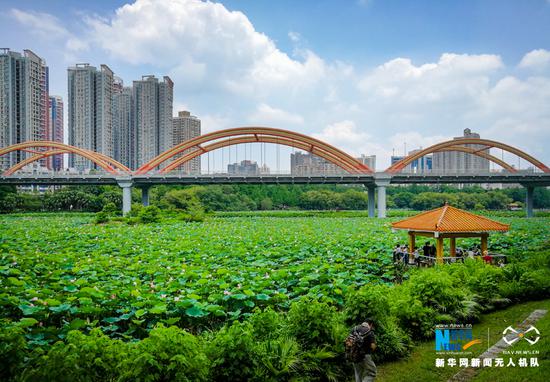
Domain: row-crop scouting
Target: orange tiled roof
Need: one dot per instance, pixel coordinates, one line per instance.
(449, 219)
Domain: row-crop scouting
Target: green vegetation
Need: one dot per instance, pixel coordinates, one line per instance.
(268, 197)
(232, 297)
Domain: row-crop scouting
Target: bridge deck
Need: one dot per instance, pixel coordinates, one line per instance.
(531, 179)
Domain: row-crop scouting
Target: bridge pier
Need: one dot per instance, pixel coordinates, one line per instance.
(370, 195)
(529, 200)
(382, 180)
(126, 186)
(145, 195)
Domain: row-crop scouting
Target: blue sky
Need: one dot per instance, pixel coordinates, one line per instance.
(367, 75)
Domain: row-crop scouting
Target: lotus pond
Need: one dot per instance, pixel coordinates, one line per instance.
(62, 272)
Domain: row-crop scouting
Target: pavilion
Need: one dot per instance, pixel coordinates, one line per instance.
(448, 222)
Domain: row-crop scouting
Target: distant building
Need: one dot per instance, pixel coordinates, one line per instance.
(368, 160)
(90, 112)
(302, 164)
(23, 102)
(55, 130)
(264, 170)
(421, 165)
(184, 127)
(459, 162)
(123, 128)
(245, 168)
(152, 116)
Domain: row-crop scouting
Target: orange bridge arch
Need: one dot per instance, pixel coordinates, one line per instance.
(454, 145)
(228, 137)
(108, 164)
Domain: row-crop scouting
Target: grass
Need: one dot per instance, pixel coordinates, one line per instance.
(420, 366)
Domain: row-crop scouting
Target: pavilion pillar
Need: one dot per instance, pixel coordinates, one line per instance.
(484, 243)
(370, 195)
(453, 246)
(412, 240)
(439, 249)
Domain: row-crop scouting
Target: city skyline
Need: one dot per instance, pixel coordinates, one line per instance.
(340, 91)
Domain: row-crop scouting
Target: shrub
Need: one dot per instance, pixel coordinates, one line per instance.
(93, 357)
(101, 217)
(266, 324)
(314, 324)
(392, 341)
(12, 351)
(416, 319)
(111, 209)
(437, 289)
(231, 353)
(279, 359)
(369, 301)
(373, 301)
(149, 214)
(193, 215)
(168, 354)
(321, 332)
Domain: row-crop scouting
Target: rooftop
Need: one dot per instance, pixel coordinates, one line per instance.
(449, 219)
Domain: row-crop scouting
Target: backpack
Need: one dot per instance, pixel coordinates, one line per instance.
(355, 346)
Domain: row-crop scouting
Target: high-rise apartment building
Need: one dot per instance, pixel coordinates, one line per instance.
(123, 128)
(459, 162)
(55, 130)
(184, 127)
(23, 101)
(90, 111)
(310, 164)
(152, 117)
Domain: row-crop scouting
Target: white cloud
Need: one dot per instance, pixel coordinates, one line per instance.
(48, 28)
(346, 136)
(214, 122)
(266, 115)
(294, 36)
(452, 76)
(205, 41)
(536, 59)
(229, 74)
(40, 23)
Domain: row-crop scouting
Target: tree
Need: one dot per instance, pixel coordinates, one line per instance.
(403, 199)
(354, 200)
(266, 204)
(319, 200)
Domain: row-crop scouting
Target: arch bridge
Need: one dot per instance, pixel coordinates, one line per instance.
(158, 170)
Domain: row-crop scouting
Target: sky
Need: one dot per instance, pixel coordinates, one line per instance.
(369, 76)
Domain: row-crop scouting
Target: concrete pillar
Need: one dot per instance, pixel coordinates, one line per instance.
(370, 190)
(381, 201)
(382, 180)
(529, 201)
(145, 195)
(126, 195)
